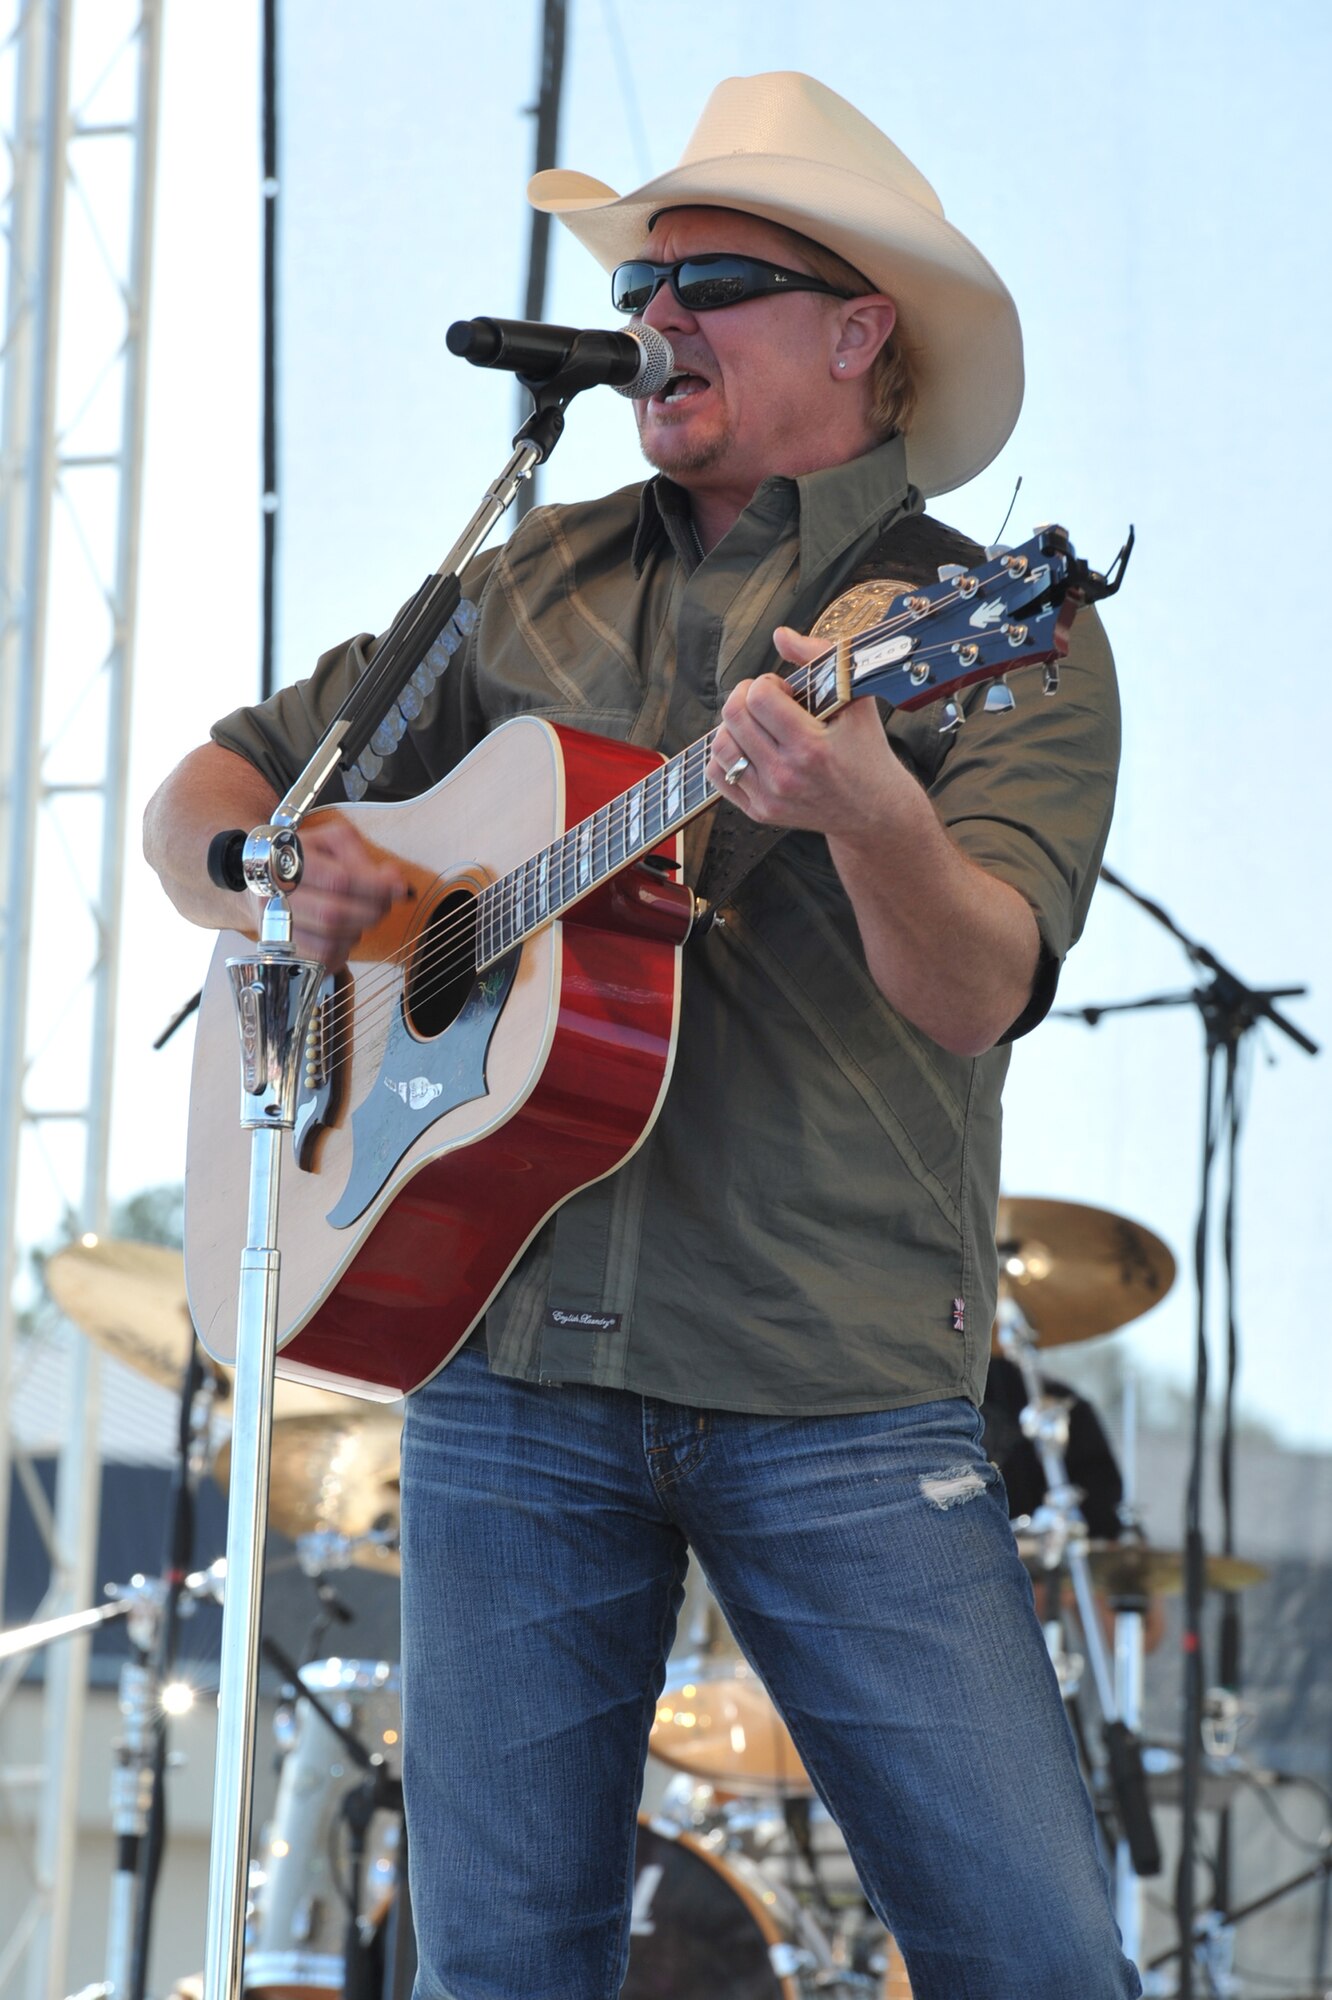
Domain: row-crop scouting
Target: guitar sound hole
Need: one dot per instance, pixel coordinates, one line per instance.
(442, 969)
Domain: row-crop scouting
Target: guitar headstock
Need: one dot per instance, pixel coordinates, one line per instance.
(1013, 609)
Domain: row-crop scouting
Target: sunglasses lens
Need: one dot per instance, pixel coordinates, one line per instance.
(704, 283)
(632, 286)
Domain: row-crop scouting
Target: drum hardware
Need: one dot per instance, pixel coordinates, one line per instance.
(705, 1922)
(1213, 1938)
(320, 1922)
(1045, 1422)
(145, 1604)
(809, 1864)
(325, 1550)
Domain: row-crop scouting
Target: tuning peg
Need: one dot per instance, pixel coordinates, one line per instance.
(1051, 674)
(997, 549)
(947, 571)
(999, 697)
(953, 718)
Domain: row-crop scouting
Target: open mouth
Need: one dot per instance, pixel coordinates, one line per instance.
(680, 388)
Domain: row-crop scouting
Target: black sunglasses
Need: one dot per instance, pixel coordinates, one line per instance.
(703, 283)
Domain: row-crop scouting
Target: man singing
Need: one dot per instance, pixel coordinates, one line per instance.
(764, 1338)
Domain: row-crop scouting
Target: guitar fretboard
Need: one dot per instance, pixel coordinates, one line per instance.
(552, 880)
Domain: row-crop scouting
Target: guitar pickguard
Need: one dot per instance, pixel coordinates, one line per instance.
(418, 1082)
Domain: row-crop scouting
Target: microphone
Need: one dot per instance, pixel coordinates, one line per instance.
(637, 362)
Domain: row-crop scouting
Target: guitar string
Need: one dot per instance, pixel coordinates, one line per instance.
(431, 967)
(376, 991)
(365, 1008)
(801, 683)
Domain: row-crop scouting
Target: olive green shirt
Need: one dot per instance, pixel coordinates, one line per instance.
(809, 1227)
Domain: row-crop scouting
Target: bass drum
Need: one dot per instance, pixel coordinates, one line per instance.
(756, 1832)
(295, 1946)
(706, 1924)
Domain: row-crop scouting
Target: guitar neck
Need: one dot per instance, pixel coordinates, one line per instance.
(551, 881)
(1011, 610)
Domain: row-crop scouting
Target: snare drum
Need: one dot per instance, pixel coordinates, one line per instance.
(299, 1899)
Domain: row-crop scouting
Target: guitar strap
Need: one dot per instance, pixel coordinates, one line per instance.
(907, 554)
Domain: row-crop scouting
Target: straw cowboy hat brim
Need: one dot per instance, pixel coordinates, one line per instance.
(790, 150)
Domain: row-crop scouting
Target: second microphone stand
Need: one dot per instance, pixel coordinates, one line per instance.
(1230, 1010)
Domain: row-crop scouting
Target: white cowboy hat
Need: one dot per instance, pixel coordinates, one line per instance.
(787, 148)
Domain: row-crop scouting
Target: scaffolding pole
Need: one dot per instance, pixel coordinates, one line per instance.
(77, 237)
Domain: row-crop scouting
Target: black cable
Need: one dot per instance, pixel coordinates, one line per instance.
(270, 468)
(1228, 1653)
(1261, 1793)
(1191, 1638)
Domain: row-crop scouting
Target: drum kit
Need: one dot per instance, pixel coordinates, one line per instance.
(743, 1889)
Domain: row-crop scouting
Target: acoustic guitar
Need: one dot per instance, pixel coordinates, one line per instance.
(505, 1037)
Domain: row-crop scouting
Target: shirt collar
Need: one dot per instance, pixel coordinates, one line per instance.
(664, 517)
(836, 507)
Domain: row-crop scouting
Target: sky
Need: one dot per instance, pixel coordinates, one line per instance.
(1151, 183)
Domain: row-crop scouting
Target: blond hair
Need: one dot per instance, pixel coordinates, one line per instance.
(892, 378)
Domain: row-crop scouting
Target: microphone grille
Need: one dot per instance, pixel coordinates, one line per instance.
(657, 366)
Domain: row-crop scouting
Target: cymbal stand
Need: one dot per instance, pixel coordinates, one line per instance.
(275, 994)
(141, 1602)
(1045, 1422)
(322, 1550)
(132, 1772)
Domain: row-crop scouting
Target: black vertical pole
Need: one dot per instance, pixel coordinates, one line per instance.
(270, 192)
(547, 113)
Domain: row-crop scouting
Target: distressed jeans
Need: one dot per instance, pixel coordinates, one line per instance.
(867, 1567)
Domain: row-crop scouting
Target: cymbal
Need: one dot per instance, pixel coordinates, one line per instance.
(336, 1473)
(1075, 1271)
(1135, 1569)
(1130, 1569)
(717, 1721)
(129, 1298)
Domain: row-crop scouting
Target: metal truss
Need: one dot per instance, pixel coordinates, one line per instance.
(78, 125)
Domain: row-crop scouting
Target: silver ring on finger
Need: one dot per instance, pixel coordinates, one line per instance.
(740, 764)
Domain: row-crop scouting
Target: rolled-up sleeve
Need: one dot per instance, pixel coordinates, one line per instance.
(1027, 793)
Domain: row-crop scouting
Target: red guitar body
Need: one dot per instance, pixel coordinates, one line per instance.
(577, 1050)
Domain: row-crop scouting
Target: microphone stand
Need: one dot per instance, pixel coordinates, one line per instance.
(1229, 1008)
(275, 994)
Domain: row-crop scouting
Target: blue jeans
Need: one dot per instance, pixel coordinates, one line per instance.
(867, 1567)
